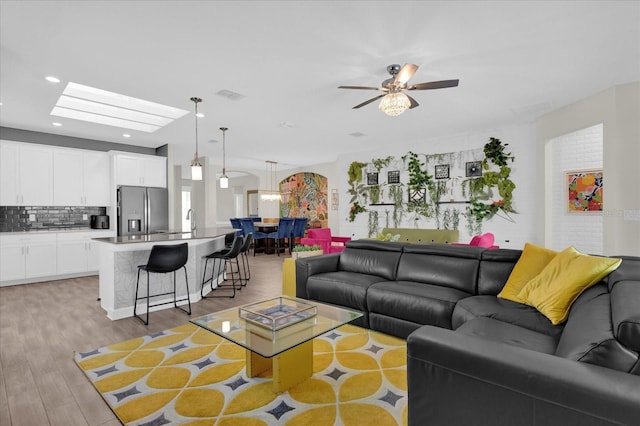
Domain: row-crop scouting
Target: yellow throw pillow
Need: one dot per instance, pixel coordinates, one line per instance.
(532, 261)
(555, 289)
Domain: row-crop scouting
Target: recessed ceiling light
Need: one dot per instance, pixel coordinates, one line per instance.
(126, 135)
(52, 79)
(55, 123)
(112, 109)
(199, 115)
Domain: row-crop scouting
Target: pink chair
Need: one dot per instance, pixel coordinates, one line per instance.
(485, 240)
(323, 238)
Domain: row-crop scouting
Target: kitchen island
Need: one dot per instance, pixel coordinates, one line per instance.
(120, 257)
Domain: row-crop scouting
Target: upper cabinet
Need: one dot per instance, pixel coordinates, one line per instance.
(140, 170)
(27, 174)
(81, 178)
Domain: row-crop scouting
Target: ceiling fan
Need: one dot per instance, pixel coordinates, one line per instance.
(394, 100)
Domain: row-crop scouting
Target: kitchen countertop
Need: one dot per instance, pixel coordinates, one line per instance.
(55, 231)
(168, 236)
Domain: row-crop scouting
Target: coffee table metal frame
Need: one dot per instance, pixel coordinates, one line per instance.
(288, 351)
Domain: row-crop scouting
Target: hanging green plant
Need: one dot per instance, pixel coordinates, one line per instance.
(396, 193)
(374, 193)
(379, 163)
(481, 188)
(355, 172)
(373, 223)
(355, 209)
(418, 178)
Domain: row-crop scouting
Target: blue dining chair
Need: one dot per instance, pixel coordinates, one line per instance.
(299, 228)
(248, 228)
(285, 229)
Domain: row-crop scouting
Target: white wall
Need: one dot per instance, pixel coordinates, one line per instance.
(574, 151)
(618, 109)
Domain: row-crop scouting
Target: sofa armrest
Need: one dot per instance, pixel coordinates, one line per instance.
(460, 379)
(307, 266)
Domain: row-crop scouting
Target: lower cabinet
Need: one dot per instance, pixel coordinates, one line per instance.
(37, 257)
(78, 253)
(27, 256)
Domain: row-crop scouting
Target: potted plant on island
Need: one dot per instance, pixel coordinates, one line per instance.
(301, 250)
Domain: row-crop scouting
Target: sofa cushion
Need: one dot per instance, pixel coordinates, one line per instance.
(371, 258)
(560, 283)
(505, 311)
(531, 263)
(416, 302)
(341, 288)
(495, 268)
(510, 334)
(443, 265)
(588, 334)
(625, 313)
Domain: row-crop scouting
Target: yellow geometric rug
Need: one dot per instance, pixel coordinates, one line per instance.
(189, 376)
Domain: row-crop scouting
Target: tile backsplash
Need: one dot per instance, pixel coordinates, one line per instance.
(35, 218)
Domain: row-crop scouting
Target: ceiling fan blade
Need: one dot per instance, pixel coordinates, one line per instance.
(434, 85)
(406, 72)
(414, 103)
(361, 87)
(369, 101)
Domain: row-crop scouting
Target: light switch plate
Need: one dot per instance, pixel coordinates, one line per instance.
(84, 217)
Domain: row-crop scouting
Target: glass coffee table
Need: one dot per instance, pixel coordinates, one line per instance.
(277, 334)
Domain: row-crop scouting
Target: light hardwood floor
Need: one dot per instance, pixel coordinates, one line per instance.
(43, 324)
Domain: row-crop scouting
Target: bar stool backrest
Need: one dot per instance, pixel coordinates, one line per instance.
(165, 259)
(248, 239)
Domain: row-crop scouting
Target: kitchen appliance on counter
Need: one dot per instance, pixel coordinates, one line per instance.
(99, 221)
(142, 210)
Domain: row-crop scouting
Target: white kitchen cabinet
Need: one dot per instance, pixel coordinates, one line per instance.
(27, 256)
(140, 170)
(27, 174)
(81, 178)
(77, 253)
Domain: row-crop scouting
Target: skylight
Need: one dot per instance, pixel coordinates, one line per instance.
(86, 103)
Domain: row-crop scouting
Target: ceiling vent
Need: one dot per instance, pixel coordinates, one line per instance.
(230, 95)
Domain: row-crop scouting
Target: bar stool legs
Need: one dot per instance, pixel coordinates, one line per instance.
(162, 260)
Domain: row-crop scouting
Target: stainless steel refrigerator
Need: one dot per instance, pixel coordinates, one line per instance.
(142, 210)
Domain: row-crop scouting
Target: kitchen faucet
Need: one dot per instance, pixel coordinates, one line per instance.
(192, 215)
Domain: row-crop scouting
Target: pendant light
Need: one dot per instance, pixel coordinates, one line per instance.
(196, 167)
(272, 194)
(224, 179)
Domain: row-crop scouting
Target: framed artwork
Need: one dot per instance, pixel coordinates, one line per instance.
(442, 171)
(393, 176)
(372, 178)
(584, 191)
(418, 195)
(473, 168)
(334, 199)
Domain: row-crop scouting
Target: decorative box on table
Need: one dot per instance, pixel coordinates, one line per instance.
(278, 312)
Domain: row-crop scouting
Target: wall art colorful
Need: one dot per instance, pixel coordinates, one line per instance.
(305, 195)
(584, 191)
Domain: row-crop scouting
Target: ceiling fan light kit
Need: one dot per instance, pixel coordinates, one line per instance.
(394, 104)
(394, 101)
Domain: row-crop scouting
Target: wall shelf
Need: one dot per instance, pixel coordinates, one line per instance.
(453, 202)
(382, 204)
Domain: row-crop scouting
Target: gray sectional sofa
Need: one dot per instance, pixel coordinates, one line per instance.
(476, 359)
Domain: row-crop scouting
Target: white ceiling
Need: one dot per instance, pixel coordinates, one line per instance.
(515, 61)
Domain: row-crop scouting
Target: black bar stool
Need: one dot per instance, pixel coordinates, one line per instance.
(162, 260)
(220, 260)
(244, 250)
